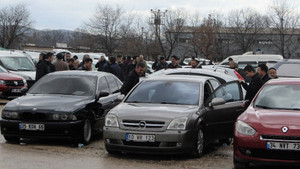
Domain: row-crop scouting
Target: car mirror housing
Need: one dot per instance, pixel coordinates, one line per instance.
(121, 97)
(24, 90)
(217, 102)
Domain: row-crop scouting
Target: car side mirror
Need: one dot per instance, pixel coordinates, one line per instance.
(216, 102)
(120, 97)
(103, 94)
(24, 90)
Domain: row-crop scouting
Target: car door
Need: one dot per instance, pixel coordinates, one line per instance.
(220, 119)
(114, 90)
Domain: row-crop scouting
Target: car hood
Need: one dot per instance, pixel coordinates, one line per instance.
(148, 111)
(55, 103)
(28, 75)
(9, 76)
(272, 116)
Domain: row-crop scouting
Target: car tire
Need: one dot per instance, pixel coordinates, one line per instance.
(240, 165)
(227, 141)
(11, 139)
(200, 143)
(86, 131)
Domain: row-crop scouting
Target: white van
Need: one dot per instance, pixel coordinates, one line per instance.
(254, 60)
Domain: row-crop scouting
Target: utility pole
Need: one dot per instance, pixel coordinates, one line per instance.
(158, 19)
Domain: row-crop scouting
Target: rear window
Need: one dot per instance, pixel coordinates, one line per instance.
(289, 70)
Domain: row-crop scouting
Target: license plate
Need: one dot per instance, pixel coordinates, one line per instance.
(33, 127)
(140, 138)
(283, 146)
(16, 90)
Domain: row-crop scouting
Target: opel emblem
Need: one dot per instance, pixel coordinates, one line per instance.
(16, 83)
(34, 109)
(142, 124)
(284, 129)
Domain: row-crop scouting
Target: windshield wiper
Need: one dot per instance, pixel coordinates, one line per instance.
(264, 107)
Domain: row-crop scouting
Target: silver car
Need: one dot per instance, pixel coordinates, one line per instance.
(173, 114)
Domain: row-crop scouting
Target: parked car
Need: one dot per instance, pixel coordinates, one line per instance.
(19, 64)
(173, 114)
(222, 77)
(11, 84)
(288, 68)
(65, 104)
(268, 131)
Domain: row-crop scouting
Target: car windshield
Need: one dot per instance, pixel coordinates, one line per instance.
(166, 92)
(279, 97)
(65, 85)
(17, 63)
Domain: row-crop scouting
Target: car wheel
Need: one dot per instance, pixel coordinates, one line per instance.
(11, 139)
(239, 165)
(87, 131)
(199, 147)
(227, 141)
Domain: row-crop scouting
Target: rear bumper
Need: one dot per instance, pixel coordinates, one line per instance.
(166, 142)
(67, 130)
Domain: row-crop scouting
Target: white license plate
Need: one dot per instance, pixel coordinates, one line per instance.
(16, 90)
(283, 146)
(34, 127)
(140, 138)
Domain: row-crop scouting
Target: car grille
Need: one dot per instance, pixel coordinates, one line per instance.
(28, 116)
(14, 82)
(143, 124)
(273, 137)
(271, 154)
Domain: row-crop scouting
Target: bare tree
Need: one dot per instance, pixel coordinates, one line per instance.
(245, 25)
(14, 23)
(283, 24)
(112, 24)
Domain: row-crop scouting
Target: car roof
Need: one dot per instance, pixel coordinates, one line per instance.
(190, 78)
(81, 73)
(284, 81)
(10, 53)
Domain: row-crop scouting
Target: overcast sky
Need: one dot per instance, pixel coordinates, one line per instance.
(70, 14)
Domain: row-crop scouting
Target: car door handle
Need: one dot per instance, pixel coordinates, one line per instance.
(239, 110)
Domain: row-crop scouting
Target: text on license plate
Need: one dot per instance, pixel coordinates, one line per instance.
(16, 90)
(35, 127)
(283, 146)
(140, 138)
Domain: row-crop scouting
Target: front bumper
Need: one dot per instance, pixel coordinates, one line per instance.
(65, 130)
(253, 149)
(166, 142)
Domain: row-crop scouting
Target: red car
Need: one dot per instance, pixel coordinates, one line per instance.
(11, 84)
(268, 132)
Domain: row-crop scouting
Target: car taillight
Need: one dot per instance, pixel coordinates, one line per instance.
(238, 75)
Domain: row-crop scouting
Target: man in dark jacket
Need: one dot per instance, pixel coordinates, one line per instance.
(174, 63)
(45, 66)
(253, 87)
(87, 65)
(162, 64)
(133, 78)
(112, 67)
(262, 71)
(101, 63)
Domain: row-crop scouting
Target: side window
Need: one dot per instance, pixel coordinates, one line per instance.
(103, 86)
(214, 83)
(119, 84)
(229, 92)
(112, 84)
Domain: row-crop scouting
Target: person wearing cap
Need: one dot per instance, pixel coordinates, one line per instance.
(162, 64)
(273, 73)
(59, 64)
(173, 63)
(45, 66)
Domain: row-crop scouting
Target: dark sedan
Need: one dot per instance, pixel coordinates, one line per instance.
(173, 114)
(67, 104)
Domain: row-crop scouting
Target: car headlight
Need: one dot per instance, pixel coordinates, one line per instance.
(178, 123)
(244, 128)
(111, 121)
(10, 115)
(2, 82)
(63, 117)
